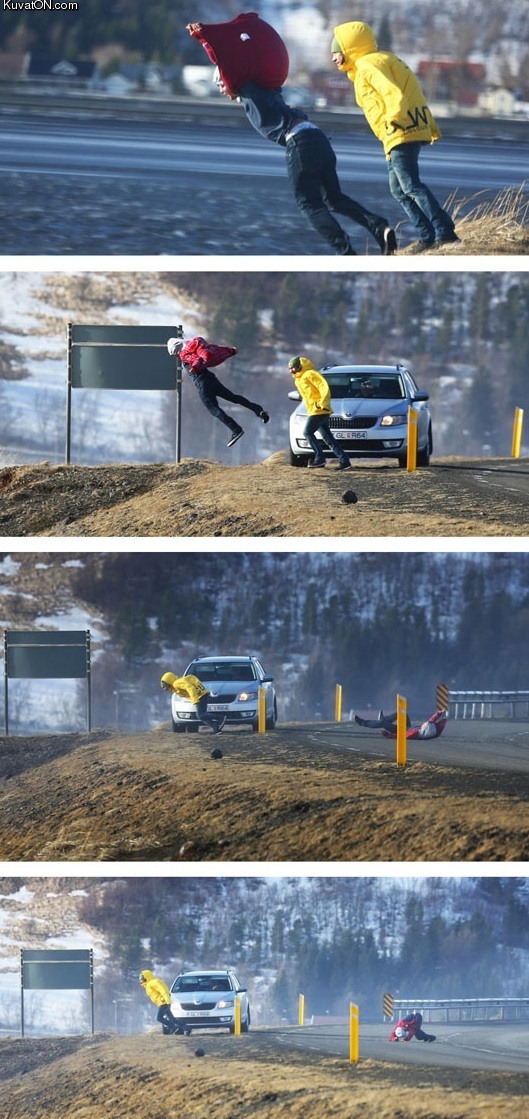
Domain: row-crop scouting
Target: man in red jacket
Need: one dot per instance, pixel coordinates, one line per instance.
(198, 356)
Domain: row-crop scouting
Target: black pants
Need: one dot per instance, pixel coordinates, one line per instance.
(209, 388)
(387, 722)
(211, 720)
(165, 1017)
(311, 165)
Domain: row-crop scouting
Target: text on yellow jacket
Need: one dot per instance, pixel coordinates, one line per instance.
(385, 88)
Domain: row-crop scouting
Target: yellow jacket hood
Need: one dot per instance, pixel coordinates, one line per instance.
(355, 40)
(146, 977)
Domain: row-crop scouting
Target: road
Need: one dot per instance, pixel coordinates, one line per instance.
(503, 1047)
(474, 744)
(124, 187)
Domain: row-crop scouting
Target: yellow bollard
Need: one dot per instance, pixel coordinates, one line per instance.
(237, 1015)
(402, 710)
(338, 704)
(517, 432)
(413, 420)
(261, 711)
(354, 1032)
(301, 1011)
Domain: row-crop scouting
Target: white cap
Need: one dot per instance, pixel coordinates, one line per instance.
(399, 1032)
(174, 345)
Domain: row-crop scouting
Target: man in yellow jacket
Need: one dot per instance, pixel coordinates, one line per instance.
(191, 688)
(395, 108)
(159, 994)
(316, 394)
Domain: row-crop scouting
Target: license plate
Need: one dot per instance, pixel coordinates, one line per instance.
(347, 434)
(218, 706)
(199, 1013)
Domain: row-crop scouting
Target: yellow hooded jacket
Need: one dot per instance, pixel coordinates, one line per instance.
(313, 388)
(156, 989)
(386, 89)
(188, 686)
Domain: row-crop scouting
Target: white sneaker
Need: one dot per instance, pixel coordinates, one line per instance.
(235, 438)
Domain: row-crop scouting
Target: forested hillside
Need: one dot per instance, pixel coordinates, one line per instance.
(376, 623)
(333, 939)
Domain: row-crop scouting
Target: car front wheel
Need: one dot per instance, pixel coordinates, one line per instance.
(298, 460)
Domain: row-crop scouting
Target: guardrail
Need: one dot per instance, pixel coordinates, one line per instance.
(465, 1010)
(483, 704)
(215, 110)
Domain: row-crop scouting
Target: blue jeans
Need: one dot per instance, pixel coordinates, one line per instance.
(421, 206)
(323, 425)
(311, 166)
(209, 388)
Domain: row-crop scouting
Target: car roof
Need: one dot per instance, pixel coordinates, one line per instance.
(242, 658)
(208, 971)
(366, 369)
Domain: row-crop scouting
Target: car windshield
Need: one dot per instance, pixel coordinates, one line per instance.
(202, 983)
(361, 386)
(222, 670)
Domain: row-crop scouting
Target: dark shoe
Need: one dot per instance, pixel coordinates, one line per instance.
(349, 252)
(431, 1037)
(317, 462)
(420, 246)
(386, 240)
(447, 239)
(264, 416)
(218, 726)
(234, 439)
(346, 465)
(361, 722)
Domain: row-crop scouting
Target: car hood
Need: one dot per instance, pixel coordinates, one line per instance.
(352, 407)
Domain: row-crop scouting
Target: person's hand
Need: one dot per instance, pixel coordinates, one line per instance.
(192, 27)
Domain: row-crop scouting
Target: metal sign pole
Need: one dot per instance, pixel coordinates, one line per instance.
(69, 396)
(88, 684)
(22, 992)
(6, 689)
(179, 373)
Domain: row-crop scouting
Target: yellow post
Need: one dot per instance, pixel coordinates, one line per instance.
(301, 1011)
(338, 704)
(354, 1032)
(402, 710)
(261, 711)
(517, 432)
(413, 420)
(237, 1015)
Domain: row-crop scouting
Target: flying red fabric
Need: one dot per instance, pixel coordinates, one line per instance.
(245, 50)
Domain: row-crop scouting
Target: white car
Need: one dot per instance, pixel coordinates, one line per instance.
(369, 414)
(206, 1000)
(233, 683)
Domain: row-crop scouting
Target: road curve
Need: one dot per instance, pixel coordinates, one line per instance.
(486, 744)
(501, 1046)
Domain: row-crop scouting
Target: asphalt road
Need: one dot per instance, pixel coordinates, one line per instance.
(123, 187)
(503, 1047)
(486, 744)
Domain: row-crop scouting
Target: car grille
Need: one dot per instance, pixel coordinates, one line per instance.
(353, 422)
(222, 698)
(192, 1006)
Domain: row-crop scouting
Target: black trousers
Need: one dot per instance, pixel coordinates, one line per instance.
(209, 388)
(311, 165)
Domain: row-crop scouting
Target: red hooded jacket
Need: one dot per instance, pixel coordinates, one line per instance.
(245, 50)
(200, 355)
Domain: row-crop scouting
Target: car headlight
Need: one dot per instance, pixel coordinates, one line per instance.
(245, 697)
(393, 421)
(225, 1004)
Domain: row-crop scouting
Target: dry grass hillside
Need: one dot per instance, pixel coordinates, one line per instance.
(200, 498)
(155, 1077)
(278, 796)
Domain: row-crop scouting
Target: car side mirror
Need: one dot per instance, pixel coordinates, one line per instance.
(421, 396)
(267, 680)
(294, 395)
